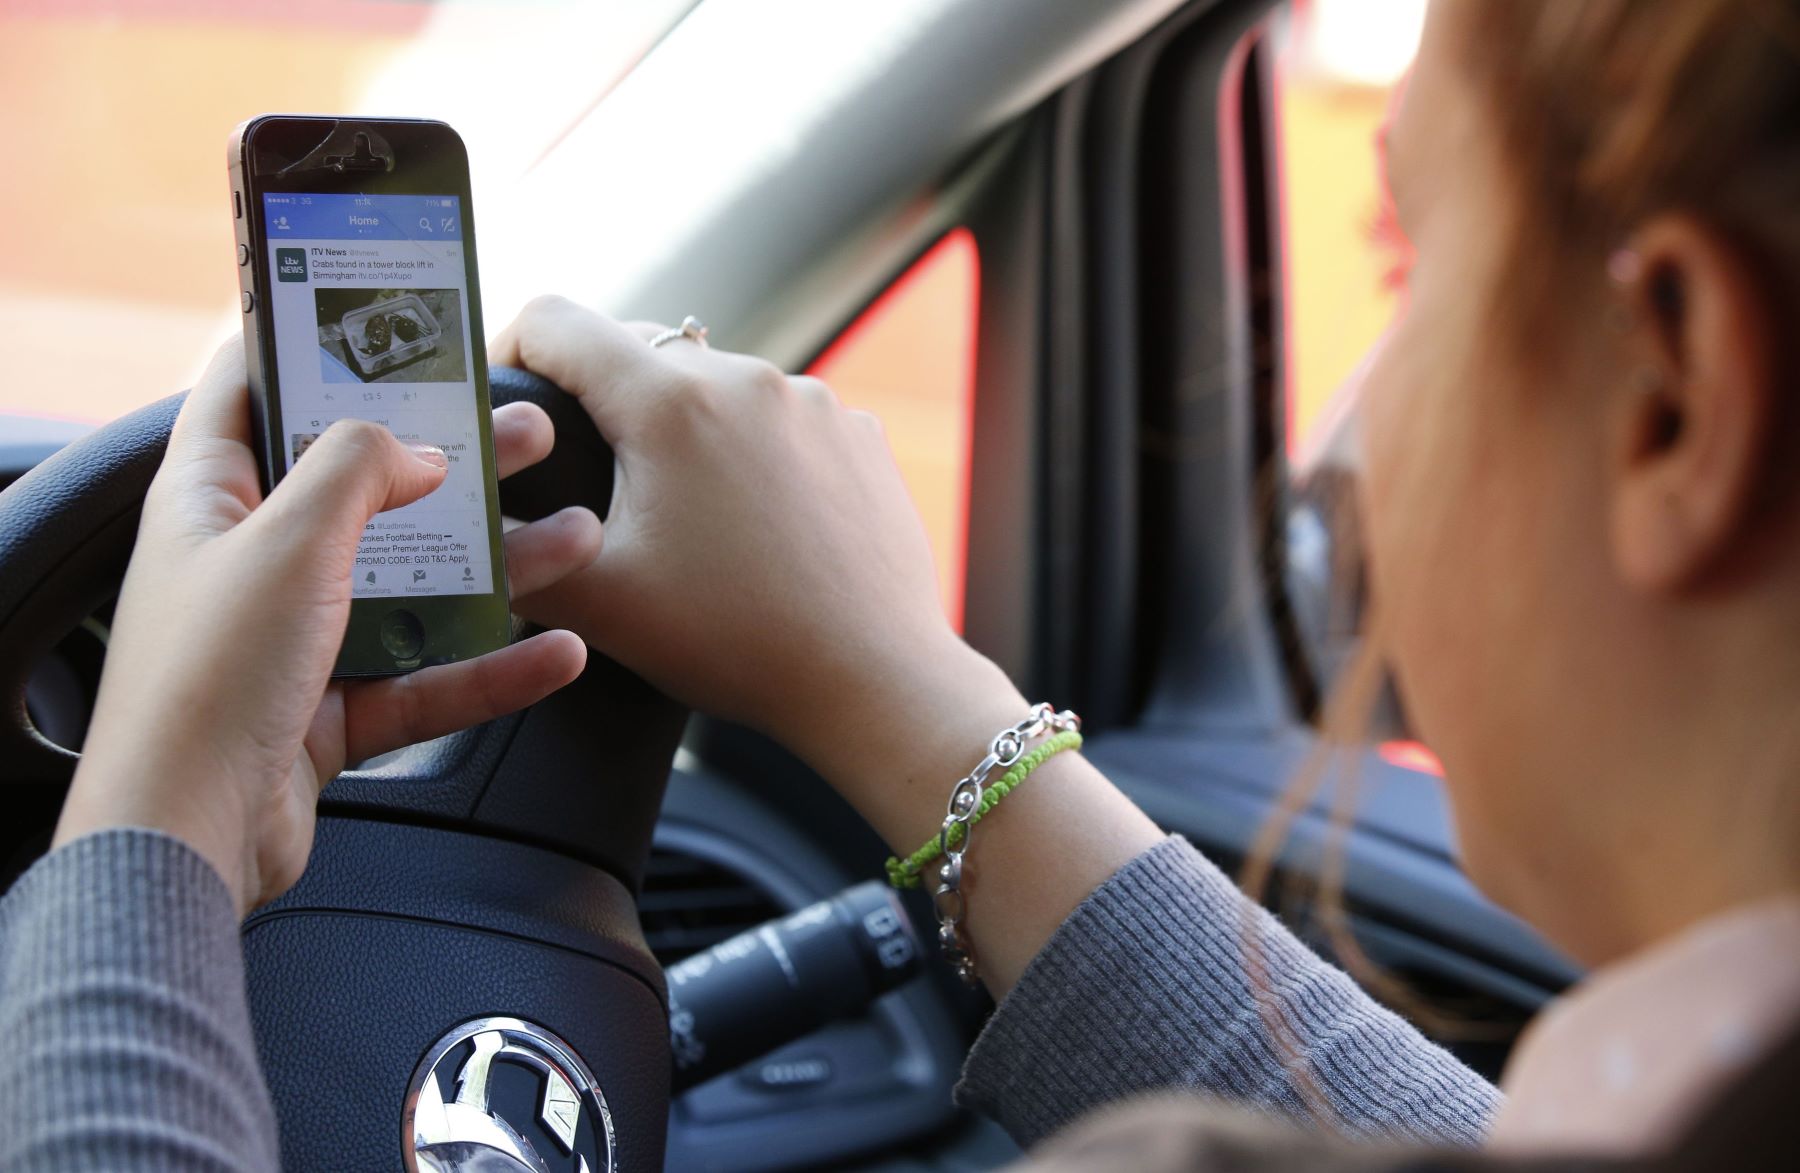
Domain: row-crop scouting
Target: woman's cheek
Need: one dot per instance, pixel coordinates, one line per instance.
(1386, 447)
(1406, 512)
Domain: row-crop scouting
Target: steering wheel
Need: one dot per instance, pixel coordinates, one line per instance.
(462, 959)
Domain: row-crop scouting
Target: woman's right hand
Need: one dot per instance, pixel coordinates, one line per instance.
(762, 560)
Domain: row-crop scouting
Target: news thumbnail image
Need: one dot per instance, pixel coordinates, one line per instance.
(390, 335)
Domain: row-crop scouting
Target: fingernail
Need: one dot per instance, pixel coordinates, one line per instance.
(431, 454)
(574, 515)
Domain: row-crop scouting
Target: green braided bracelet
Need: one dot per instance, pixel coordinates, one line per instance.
(904, 873)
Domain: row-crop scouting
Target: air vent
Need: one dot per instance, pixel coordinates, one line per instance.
(690, 904)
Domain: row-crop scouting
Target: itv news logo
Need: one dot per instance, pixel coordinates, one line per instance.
(290, 264)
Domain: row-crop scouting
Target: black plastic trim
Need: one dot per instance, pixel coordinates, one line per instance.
(1005, 544)
(395, 934)
(468, 881)
(1399, 856)
(717, 821)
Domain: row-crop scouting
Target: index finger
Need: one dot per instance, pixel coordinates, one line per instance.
(210, 444)
(599, 361)
(219, 404)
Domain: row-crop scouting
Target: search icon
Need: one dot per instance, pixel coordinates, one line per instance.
(425, 223)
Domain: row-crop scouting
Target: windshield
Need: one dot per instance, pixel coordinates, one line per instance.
(117, 278)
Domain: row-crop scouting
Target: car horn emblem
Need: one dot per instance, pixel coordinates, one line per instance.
(499, 1095)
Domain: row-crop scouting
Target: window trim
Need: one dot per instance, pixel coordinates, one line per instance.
(1218, 719)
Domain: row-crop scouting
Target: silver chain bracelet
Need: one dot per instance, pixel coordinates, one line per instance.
(947, 899)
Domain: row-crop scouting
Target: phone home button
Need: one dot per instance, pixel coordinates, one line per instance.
(402, 635)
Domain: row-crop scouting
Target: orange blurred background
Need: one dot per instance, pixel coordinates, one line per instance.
(1338, 301)
(116, 265)
(117, 278)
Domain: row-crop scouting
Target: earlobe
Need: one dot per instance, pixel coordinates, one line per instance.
(1695, 406)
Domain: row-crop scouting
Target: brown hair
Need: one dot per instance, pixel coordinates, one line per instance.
(1610, 111)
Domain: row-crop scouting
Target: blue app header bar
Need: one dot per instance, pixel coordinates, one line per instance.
(362, 217)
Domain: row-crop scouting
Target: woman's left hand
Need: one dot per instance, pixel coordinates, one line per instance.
(217, 720)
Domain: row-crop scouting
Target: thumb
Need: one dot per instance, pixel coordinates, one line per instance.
(354, 471)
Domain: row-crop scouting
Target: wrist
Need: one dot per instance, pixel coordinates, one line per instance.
(894, 748)
(209, 820)
(896, 744)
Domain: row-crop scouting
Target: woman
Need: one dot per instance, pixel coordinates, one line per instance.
(1585, 526)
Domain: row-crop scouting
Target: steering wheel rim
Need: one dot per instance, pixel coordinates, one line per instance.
(523, 840)
(66, 532)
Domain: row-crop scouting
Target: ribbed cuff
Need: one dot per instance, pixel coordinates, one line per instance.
(1145, 988)
(122, 1003)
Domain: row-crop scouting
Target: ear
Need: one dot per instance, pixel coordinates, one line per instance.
(1696, 401)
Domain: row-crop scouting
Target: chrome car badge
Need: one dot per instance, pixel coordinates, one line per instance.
(502, 1095)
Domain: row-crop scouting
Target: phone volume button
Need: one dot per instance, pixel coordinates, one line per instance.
(249, 301)
(243, 254)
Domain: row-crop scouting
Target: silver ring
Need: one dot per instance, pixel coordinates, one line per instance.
(691, 328)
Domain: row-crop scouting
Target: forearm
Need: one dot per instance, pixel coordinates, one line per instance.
(123, 1006)
(1122, 959)
(1148, 987)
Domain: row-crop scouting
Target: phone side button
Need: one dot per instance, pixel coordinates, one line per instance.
(249, 301)
(402, 635)
(243, 254)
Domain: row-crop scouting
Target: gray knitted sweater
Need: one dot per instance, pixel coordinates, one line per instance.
(128, 1044)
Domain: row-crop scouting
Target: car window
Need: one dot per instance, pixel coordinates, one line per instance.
(117, 281)
(1336, 63)
(910, 359)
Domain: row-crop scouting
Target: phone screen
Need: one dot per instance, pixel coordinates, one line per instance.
(369, 300)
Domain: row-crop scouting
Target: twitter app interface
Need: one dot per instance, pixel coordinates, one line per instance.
(369, 298)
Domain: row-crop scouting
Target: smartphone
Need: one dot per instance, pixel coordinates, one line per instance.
(356, 259)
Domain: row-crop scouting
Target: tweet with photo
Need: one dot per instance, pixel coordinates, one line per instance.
(369, 301)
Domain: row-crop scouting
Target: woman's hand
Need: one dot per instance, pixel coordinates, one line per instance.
(763, 560)
(217, 720)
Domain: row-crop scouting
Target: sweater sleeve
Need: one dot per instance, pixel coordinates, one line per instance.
(1145, 988)
(123, 1010)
